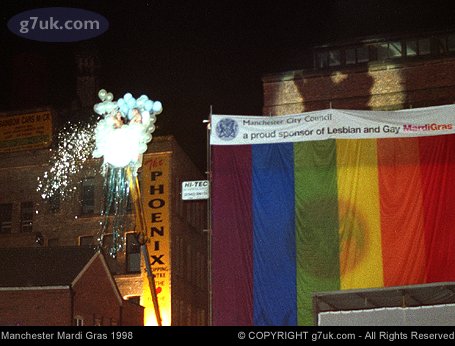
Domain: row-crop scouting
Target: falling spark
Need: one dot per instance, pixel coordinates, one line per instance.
(75, 143)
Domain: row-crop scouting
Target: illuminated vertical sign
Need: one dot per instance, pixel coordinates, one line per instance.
(155, 198)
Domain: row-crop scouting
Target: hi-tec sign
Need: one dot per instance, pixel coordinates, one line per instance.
(196, 189)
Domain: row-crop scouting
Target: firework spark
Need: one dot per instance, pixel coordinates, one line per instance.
(75, 144)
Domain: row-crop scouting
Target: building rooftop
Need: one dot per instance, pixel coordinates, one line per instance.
(43, 266)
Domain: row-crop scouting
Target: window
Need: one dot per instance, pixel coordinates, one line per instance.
(395, 49)
(334, 58)
(362, 54)
(26, 216)
(86, 240)
(424, 46)
(78, 321)
(54, 203)
(88, 196)
(415, 47)
(108, 241)
(6, 212)
(39, 239)
(451, 43)
(133, 254)
(322, 60)
(411, 48)
(329, 58)
(97, 320)
(189, 315)
(135, 299)
(439, 45)
(357, 55)
(389, 50)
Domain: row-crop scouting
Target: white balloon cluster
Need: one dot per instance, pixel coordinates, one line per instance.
(125, 129)
(108, 105)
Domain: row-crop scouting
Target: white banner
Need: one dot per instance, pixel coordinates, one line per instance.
(332, 123)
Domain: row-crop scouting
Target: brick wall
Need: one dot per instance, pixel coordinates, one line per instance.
(40, 307)
(95, 297)
(132, 314)
(380, 86)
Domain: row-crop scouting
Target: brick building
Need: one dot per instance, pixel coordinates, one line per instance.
(377, 73)
(389, 72)
(61, 286)
(28, 220)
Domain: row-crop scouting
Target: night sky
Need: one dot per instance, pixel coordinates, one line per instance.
(193, 55)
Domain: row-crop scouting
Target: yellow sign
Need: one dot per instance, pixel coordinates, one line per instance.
(156, 202)
(25, 131)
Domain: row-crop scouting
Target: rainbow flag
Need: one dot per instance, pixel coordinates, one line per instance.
(292, 219)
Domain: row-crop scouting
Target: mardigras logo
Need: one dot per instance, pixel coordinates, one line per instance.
(227, 129)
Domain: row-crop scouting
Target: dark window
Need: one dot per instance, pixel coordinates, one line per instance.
(86, 240)
(54, 203)
(362, 54)
(135, 299)
(350, 56)
(6, 213)
(389, 50)
(451, 43)
(424, 46)
(322, 60)
(395, 49)
(133, 254)
(88, 196)
(26, 216)
(415, 47)
(411, 47)
(439, 45)
(334, 58)
(108, 241)
(328, 58)
(97, 320)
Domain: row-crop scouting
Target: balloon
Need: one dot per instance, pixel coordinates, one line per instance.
(143, 97)
(124, 109)
(102, 94)
(140, 103)
(101, 108)
(157, 107)
(148, 105)
(122, 145)
(131, 102)
(110, 106)
(145, 117)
